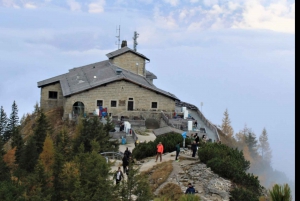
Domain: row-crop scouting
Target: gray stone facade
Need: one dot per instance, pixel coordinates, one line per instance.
(126, 92)
(47, 102)
(131, 62)
(120, 91)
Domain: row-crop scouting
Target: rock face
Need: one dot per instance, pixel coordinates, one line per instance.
(209, 186)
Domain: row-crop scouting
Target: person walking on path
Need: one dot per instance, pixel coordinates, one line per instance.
(160, 150)
(194, 148)
(197, 139)
(127, 152)
(190, 189)
(177, 147)
(125, 161)
(118, 175)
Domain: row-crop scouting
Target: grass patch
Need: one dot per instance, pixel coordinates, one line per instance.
(140, 132)
(158, 174)
(171, 191)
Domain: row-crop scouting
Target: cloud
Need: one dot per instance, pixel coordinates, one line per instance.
(74, 5)
(30, 5)
(9, 3)
(210, 2)
(97, 7)
(278, 16)
(194, 1)
(172, 2)
(165, 22)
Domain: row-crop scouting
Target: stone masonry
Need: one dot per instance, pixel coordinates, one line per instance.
(119, 91)
(128, 61)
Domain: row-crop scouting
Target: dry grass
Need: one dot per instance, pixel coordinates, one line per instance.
(171, 191)
(158, 174)
(140, 132)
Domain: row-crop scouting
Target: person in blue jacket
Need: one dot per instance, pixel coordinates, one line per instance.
(190, 189)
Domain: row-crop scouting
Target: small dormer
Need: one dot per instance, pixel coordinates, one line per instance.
(129, 59)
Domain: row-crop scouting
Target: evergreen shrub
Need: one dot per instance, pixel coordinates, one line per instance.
(169, 141)
(231, 164)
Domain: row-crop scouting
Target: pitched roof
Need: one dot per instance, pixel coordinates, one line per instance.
(150, 75)
(94, 75)
(123, 50)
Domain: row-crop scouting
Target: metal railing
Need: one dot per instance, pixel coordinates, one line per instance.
(202, 117)
(112, 155)
(166, 119)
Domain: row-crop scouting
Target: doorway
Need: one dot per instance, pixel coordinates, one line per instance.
(130, 106)
(78, 108)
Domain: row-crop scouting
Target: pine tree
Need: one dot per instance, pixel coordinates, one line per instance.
(30, 156)
(40, 132)
(3, 124)
(226, 127)
(264, 146)
(13, 122)
(251, 143)
(17, 141)
(91, 129)
(58, 187)
(94, 174)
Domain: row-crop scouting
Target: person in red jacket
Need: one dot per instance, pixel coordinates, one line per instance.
(160, 150)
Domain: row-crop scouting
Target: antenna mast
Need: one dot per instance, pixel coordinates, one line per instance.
(118, 37)
(135, 36)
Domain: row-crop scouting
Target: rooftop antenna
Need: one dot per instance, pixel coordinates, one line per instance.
(135, 36)
(118, 36)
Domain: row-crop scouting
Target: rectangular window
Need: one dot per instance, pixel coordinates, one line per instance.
(99, 103)
(130, 99)
(154, 105)
(113, 103)
(52, 94)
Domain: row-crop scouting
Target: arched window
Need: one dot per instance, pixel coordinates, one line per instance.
(78, 108)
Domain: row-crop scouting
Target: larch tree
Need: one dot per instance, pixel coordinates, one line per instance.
(241, 137)
(47, 155)
(226, 125)
(264, 146)
(3, 124)
(4, 170)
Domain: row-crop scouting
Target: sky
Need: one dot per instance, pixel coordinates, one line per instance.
(237, 55)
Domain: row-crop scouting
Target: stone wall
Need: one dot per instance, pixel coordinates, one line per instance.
(47, 103)
(128, 61)
(121, 92)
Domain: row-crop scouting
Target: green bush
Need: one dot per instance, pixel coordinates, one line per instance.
(148, 149)
(231, 164)
(281, 193)
(242, 194)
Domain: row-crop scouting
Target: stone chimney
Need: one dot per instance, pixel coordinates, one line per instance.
(124, 43)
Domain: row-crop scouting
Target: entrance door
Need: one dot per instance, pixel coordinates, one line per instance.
(130, 106)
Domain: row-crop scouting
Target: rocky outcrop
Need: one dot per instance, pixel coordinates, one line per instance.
(209, 186)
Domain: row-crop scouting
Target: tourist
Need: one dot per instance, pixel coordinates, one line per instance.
(195, 123)
(177, 148)
(159, 151)
(194, 148)
(197, 139)
(190, 189)
(125, 161)
(118, 175)
(127, 152)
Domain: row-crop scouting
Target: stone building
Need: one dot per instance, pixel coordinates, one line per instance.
(122, 84)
